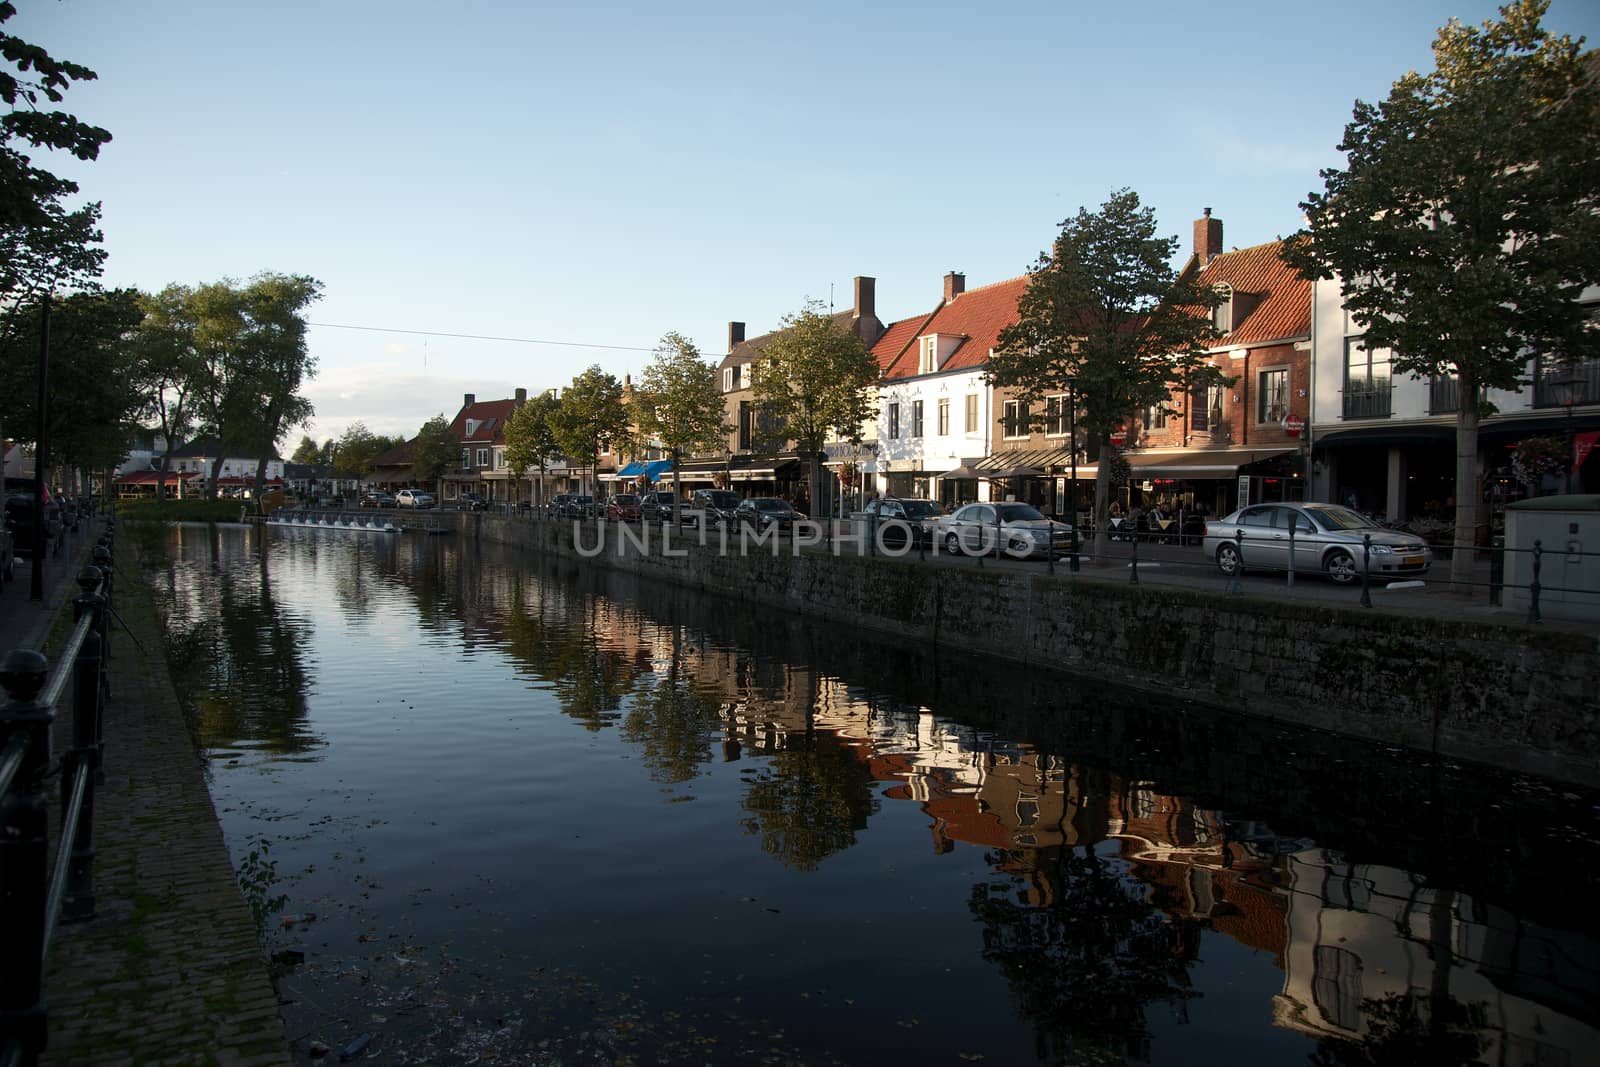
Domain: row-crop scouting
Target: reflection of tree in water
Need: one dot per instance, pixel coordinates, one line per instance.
(558, 645)
(809, 799)
(244, 665)
(1407, 1030)
(673, 723)
(1082, 947)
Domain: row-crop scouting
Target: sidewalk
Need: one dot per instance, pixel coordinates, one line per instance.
(25, 623)
(169, 970)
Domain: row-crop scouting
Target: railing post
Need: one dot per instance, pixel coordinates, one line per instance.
(1497, 569)
(87, 709)
(24, 864)
(1366, 570)
(1133, 568)
(1533, 586)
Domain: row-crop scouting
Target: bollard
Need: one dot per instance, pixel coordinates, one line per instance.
(87, 716)
(24, 864)
(1366, 570)
(1497, 569)
(1237, 584)
(1074, 563)
(1533, 586)
(1133, 569)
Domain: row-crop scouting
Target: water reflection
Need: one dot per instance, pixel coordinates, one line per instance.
(1105, 848)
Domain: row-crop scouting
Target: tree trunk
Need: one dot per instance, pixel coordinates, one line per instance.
(1462, 554)
(677, 492)
(1102, 493)
(816, 499)
(261, 475)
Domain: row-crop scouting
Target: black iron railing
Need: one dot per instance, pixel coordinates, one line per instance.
(34, 899)
(1367, 400)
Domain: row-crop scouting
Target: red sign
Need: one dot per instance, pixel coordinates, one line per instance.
(1117, 437)
(1293, 424)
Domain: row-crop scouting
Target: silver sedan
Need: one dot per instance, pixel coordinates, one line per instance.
(1023, 532)
(1328, 539)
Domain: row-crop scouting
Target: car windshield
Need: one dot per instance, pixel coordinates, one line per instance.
(768, 504)
(921, 509)
(723, 499)
(1019, 513)
(1334, 517)
(585, 499)
(664, 498)
(624, 498)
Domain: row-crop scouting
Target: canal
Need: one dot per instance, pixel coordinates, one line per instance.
(491, 808)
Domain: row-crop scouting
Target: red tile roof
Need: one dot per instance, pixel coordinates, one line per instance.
(977, 316)
(894, 340)
(491, 413)
(1285, 307)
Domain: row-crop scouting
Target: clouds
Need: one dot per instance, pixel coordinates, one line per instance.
(389, 398)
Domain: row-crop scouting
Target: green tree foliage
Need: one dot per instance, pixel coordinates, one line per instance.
(809, 800)
(358, 447)
(1463, 225)
(167, 369)
(43, 245)
(1105, 310)
(531, 438)
(92, 412)
(437, 449)
(816, 379)
(679, 404)
(307, 452)
(591, 413)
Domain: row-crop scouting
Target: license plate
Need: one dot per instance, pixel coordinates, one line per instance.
(1411, 561)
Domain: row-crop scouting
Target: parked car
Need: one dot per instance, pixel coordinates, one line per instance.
(711, 506)
(558, 505)
(1024, 532)
(623, 507)
(1328, 539)
(918, 514)
(580, 506)
(657, 506)
(760, 512)
(472, 502)
(26, 539)
(413, 498)
(377, 499)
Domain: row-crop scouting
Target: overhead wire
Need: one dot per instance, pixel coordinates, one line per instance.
(480, 337)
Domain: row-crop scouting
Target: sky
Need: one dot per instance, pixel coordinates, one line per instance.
(591, 176)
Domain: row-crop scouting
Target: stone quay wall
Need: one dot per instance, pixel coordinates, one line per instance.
(1521, 697)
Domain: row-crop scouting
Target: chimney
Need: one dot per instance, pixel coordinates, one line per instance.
(954, 285)
(735, 335)
(1207, 238)
(522, 397)
(469, 399)
(865, 302)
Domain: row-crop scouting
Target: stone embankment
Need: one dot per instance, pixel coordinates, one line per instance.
(1497, 691)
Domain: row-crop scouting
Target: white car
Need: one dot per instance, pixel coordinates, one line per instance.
(1024, 531)
(413, 498)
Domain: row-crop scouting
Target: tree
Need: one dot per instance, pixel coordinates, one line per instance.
(92, 412)
(590, 414)
(43, 246)
(531, 438)
(167, 370)
(816, 378)
(1464, 227)
(358, 447)
(307, 452)
(1105, 312)
(679, 404)
(437, 450)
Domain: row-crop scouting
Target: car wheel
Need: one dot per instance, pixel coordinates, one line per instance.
(952, 544)
(1342, 567)
(1228, 560)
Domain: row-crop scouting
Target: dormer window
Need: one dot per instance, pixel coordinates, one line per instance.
(727, 379)
(1222, 314)
(472, 426)
(928, 357)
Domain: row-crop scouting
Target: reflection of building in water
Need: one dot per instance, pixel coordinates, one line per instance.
(1361, 935)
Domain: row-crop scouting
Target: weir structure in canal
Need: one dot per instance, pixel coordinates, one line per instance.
(527, 807)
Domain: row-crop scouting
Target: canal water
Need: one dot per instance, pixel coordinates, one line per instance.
(497, 809)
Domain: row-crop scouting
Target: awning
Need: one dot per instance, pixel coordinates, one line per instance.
(1041, 458)
(1199, 463)
(651, 470)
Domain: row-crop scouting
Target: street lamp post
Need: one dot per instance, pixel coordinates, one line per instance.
(1072, 483)
(1567, 390)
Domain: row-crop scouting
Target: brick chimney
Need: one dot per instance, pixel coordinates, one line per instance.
(1207, 238)
(735, 335)
(866, 300)
(954, 285)
(469, 399)
(522, 397)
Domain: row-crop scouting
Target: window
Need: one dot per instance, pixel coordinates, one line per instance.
(972, 413)
(1366, 381)
(1055, 416)
(894, 422)
(944, 416)
(483, 456)
(466, 458)
(1205, 408)
(727, 379)
(928, 359)
(1272, 395)
(499, 459)
(916, 418)
(1336, 986)
(1222, 314)
(1015, 419)
(1154, 417)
